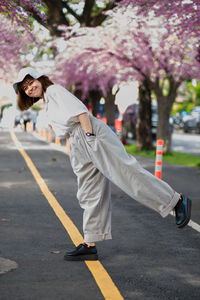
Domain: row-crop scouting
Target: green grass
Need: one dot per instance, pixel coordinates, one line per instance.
(173, 157)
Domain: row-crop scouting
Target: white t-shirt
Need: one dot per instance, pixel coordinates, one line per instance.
(62, 109)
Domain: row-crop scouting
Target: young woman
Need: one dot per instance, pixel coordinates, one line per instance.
(97, 157)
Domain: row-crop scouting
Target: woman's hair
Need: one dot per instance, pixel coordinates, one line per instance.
(24, 101)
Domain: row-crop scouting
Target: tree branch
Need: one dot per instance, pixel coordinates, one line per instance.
(54, 16)
(98, 20)
(87, 11)
(71, 11)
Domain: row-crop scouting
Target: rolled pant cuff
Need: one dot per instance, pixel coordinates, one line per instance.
(91, 238)
(165, 212)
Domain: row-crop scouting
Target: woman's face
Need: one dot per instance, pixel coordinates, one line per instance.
(32, 88)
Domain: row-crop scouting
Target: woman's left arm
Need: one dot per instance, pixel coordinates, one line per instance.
(85, 122)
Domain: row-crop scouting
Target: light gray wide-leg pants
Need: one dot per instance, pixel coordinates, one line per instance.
(99, 159)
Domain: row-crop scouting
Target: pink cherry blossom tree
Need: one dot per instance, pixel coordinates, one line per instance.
(157, 51)
(12, 43)
(147, 50)
(161, 58)
(181, 18)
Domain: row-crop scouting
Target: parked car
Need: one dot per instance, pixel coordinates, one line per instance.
(130, 119)
(191, 122)
(178, 122)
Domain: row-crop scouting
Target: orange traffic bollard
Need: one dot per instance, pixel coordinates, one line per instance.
(67, 145)
(159, 155)
(104, 120)
(118, 125)
(27, 126)
(57, 141)
(31, 126)
(44, 135)
(50, 136)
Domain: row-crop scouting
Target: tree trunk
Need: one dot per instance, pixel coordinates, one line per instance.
(143, 126)
(163, 128)
(94, 97)
(164, 110)
(110, 108)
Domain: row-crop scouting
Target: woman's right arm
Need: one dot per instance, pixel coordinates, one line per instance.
(85, 122)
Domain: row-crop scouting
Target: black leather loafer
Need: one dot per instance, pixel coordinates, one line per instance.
(183, 211)
(82, 252)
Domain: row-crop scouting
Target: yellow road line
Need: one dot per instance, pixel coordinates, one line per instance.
(102, 278)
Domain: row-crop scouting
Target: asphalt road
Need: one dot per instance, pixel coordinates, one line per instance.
(148, 258)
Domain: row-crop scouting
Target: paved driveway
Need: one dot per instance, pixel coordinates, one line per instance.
(186, 142)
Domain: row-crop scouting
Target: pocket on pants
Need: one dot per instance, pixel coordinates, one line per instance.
(90, 138)
(91, 141)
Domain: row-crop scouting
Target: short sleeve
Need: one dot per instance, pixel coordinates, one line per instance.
(62, 108)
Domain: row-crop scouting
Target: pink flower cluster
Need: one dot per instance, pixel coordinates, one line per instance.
(128, 46)
(12, 44)
(14, 11)
(184, 15)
